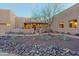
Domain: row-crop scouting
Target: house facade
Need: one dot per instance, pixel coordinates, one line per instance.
(9, 22)
(6, 20)
(67, 21)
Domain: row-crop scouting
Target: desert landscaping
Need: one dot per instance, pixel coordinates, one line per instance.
(39, 45)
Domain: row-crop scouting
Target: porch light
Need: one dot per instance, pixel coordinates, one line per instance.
(7, 25)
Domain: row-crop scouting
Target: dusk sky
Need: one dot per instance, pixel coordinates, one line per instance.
(26, 9)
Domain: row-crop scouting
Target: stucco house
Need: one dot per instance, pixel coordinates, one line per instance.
(67, 21)
(10, 22)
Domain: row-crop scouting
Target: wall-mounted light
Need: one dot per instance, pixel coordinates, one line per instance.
(7, 25)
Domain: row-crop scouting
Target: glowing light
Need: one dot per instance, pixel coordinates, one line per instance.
(8, 25)
(75, 23)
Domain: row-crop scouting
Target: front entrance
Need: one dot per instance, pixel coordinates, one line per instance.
(34, 27)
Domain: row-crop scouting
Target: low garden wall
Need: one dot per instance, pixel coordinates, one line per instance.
(21, 31)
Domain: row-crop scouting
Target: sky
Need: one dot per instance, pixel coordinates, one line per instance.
(26, 9)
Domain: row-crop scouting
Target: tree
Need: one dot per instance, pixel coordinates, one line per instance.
(36, 15)
(47, 13)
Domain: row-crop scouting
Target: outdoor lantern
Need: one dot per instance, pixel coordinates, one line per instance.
(8, 25)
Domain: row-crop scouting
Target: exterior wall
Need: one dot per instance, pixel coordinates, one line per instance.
(4, 18)
(69, 14)
(12, 20)
(19, 23)
(17, 30)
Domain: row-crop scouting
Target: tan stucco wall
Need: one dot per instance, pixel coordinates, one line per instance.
(19, 23)
(12, 19)
(4, 18)
(69, 14)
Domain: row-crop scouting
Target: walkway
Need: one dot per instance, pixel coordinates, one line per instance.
(57, 34)
(6, 54)
(72, 36)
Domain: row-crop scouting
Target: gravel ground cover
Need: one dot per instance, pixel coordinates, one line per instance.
(36, 46)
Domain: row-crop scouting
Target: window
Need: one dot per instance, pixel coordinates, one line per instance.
(73, 23)
(61, 24)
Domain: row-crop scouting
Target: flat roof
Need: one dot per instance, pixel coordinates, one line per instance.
(35, 23)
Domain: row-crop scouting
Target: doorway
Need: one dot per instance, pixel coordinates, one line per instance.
(34, 27)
